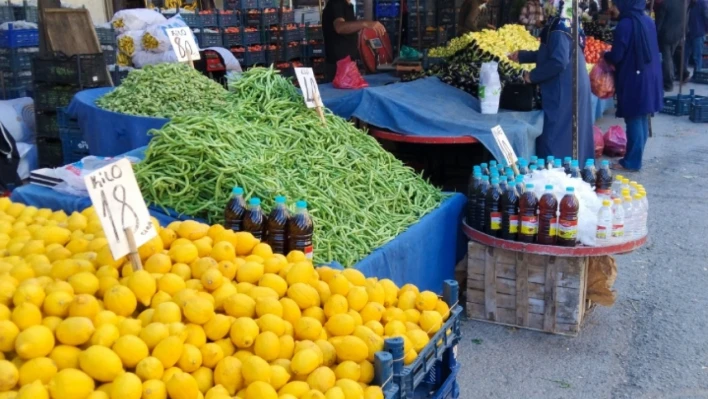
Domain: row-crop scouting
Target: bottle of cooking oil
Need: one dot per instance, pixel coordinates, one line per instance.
(253, 220)
(235, 209)
(276, 233)
(300, 229)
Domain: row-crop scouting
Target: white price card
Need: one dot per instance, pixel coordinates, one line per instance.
(308, 85)
(120, 205)
(504, 145)
(183, 44)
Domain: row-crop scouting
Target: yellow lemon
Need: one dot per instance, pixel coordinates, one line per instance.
(304, 295)
(351, 388)
(229, 374)
(335, 393)
(192, 230)
(8, 375)
(168, 351)
(191, 358)
(407, 300)
(430, 321)
(120, 300)
(105, 335)
(158, 263)
(211, 354)
(243, 332)
(212, 279)
(322, 379)
(167, 312)
(357, 298)
(100, 363)
(35, 341)
(221, 294)
(129, 326)
(154, 389)
(274, 282)
(255, 369)
(196, 335)
(426, 300)
(35, 390)
(143, 285)
(185, 253)
(65, 357)
(339, 285)
(85, 305)
(354, 276)
(279, 376)
(250, 272)
(57, 303)
(223, 251)
(167, 236)
(26, 315)
(291, 310)
(31, 293)
(84, 283)
(340, 325)
(131, 350)
(217, 327)
(245, 242)
(267, 346)
(261, 390)
(127, 386)
(8, 334)
(153, 333)
(70, 383)
(75, 331)
(373, 392)
(149, 368)
(305, 362)
(301, 272)
(367, 372)
(198, 310)
(205, 379)
(349, 370)
(269, 305)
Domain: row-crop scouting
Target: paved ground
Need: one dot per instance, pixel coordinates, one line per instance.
(654, 342)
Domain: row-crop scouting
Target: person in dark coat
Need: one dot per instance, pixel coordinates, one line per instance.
(638, 77)
(554, 73)
(696, 32)
(669, 26)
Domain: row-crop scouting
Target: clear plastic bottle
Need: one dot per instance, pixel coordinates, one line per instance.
(604, 223)
(235, 209)
(533, 161)
(633, 187)
(574, 169)
(253, 219)
(532, 169)
(640, 215)
(547, 217)
(625, 184)
(630, 220)
(277, 227)
(300, 230)
(568, 219)
(617, 185)
(617, 221)
(557, 164)
(492, 212)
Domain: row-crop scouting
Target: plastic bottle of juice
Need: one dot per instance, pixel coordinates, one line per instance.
(547, 219)
(557, 165)
(300, 230)
(253, 220)
(277, 227)
(492, 213)
(532, 169)
(566, 164)
(508, 170)
(235, 209)
(630, 219)
(503, 184)
(485, 168)
(510, 213)
(603, 181)
(617, 185)
(588, 173)
(492, 164)
(520, 185)
(550, 160)
(533, 161)
(568, 219)
(481, 194)
(574, 169)
(528, 224)
(617, 221)
(523, 167)
(540, 164)
(472, 198)
(604, 223)
(640, 215)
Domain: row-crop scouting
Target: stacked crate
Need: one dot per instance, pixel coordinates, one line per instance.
(56, 79)
(73, 145)
(387, 12)
(248, 44)
(210, 30)
(315, 50)
(17, 47)
(109, 44)
(26, 12)
(285, 39)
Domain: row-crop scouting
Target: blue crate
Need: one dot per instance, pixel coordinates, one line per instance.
(232, 39)
(679, 105)
(700, 76)
(387, 10)
(270, 18)
(254, 57)
(193, 20)
(288, 17)
(73, 145)
(292, 52)
(383, 375)
(64, 120)
(247, 4)
(699, 111)
(268, 3)
(229, 20)
(14, 38)
(253, 18)
(251, 38)
(15, 60)
(435, 368)
(211, 39)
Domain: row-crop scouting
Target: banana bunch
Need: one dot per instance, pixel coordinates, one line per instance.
(118, 23)
(507, 39)
(123, 59)
(452, 47)
(126, 45)
(149, 42)
(173, 3)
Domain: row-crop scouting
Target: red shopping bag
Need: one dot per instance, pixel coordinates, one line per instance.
(602, 80)
(599, 141)
(615, 141)
(348, 76)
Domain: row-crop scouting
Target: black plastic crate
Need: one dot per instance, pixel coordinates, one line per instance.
(17, 59)
(229, 20)
(118, 75)
(10, 93)
(292, 52)
(254, 57)
(26, 13)
(50, 153)
(253, 17)
(314, 50)
(288, 35)
(314, 32)
(106, 36)
(211, 39)
(74, 147)
(7, 14)
(288, 17)
(701, 76)
(209, 20)
(679, 105)
(232, 39)
(48, 97)
(110, 56)
(14, 38)
(85, 70)
(699, 111)
(17, 78)
(47, 123)
(268, 3)
(246, 4)
(251, 38)
(64, 120)
(270, 18)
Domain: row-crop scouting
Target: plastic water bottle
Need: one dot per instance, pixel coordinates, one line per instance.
(574, 169)
(640, 215)
(300, 230)
(533, 161)
(277, 227)
(492, 213)
(235, 209)
(617, 221)
(540, 164)
(630, 220)
(557, 164)
(253, 220)
(633, 187)
(625, 184)
(604, 223)
(617, 185)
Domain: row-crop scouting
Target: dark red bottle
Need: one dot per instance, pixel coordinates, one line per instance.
(510, 213)
(547, 220)
(277, 227)
(492, 213)
(253, 220)
(300, 229)
(528, 205)
(568, 219)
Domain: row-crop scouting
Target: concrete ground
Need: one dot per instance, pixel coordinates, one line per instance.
(653, 343)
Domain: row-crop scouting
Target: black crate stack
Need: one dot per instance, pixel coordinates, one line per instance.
(285, 40)
(314, 50)
(17, 48)
(247, 43)
(210, 26)
(56, 79)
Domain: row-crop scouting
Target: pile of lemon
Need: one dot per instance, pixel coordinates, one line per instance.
(213, 314)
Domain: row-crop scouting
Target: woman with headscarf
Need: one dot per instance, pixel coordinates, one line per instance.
(554, 73)
(638, 78)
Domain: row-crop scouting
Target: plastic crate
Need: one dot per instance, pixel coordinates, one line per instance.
(211, 39)
(700, 76)
(314, 32)
(64, 120)
(17, 59)
(49, 152)
(85, 70)
(73, 145)
(289, 35)
(292, 52)
(49, 97)
(288, 17)
(253, 18)
(17, 78)
(229, 20)
(26, 13)
(7, 14)
(270, 18)
(679, 105)
(209, 20)
(699, 111)
(247, 4)
(314, 50)
(435, 368)
(14, 38)
(268, 3)
(251, 38)
(387, 10)
(192, 20)
(110, 56)
(232, 39)
(15, 92)
(118, 75)
(254, 57)
(106, 36)
(47, 124)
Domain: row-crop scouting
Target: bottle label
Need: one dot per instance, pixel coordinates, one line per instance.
(513, 224)
(308, 250)
(601, 232)
(568, 229)
(529, 225)
(617, 230)
(603, 192)
(553, 229)
(495, 220)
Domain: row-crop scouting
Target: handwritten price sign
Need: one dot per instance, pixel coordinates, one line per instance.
(308, 85)
(120, 206)
(504, 145)
(183, 44)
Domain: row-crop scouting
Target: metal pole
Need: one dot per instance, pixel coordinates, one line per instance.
(683, 44)
(576, 42)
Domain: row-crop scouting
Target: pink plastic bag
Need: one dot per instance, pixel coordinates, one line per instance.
(599, 141)
(615, 142)
(348, 76)
(602, 80)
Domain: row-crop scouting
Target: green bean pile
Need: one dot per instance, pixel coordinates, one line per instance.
(152, 91)
(360, 196)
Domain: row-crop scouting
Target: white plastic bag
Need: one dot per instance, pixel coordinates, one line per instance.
(136, 19)
(14, 116)
(72, 175)
(489, 88)
(159, 32)
(143, 58)
(130, 42)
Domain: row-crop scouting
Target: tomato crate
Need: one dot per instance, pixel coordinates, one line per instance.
(227, 20)
(50, 153)
(208, 20)
(47, 123)
(699, 111)
(314, 32)
(700, 76)
(433, 374)
(73, 145)
(17, 59)
(14, 38)
(48, 97)
(314, 50)
(193, 20)
(289, 35)
(246, 4)
(254, 57)
(270, 18)
(288, 17)
(251, 37)
(84, 70)
(106, 36)
(64, 120)
(211, 39)
(232, 39)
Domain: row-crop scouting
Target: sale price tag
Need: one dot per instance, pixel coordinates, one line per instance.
(183, 44)
(308, 85)
(120, 207)
(504, 145)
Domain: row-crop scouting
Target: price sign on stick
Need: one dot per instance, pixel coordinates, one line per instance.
(121, 208)
(310, 90)
(183, 44)
(504, 146)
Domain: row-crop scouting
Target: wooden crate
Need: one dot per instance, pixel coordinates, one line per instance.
(537, 292)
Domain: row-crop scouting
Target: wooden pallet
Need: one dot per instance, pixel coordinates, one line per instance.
(537, 292)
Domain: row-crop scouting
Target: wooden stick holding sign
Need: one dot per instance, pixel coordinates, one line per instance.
(505, 147)
(183, 44)
(310, 91)
(121, 209)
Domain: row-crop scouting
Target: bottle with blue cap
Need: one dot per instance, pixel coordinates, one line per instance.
(479, 222)
(523, 167)
(550, 160)
(557, 164)
(540, 164)
(492, 164)
(492, 213)
(603, 182)
(533, 161)
(300, 230)
(235, 209)
(485, 169)
(575, 169)
(547, 218)
(471, 213)
(277, 227)
(568, 219)
(509, 205)
(566, 164)
(253, 219)
(588, 173)
(528, 215)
